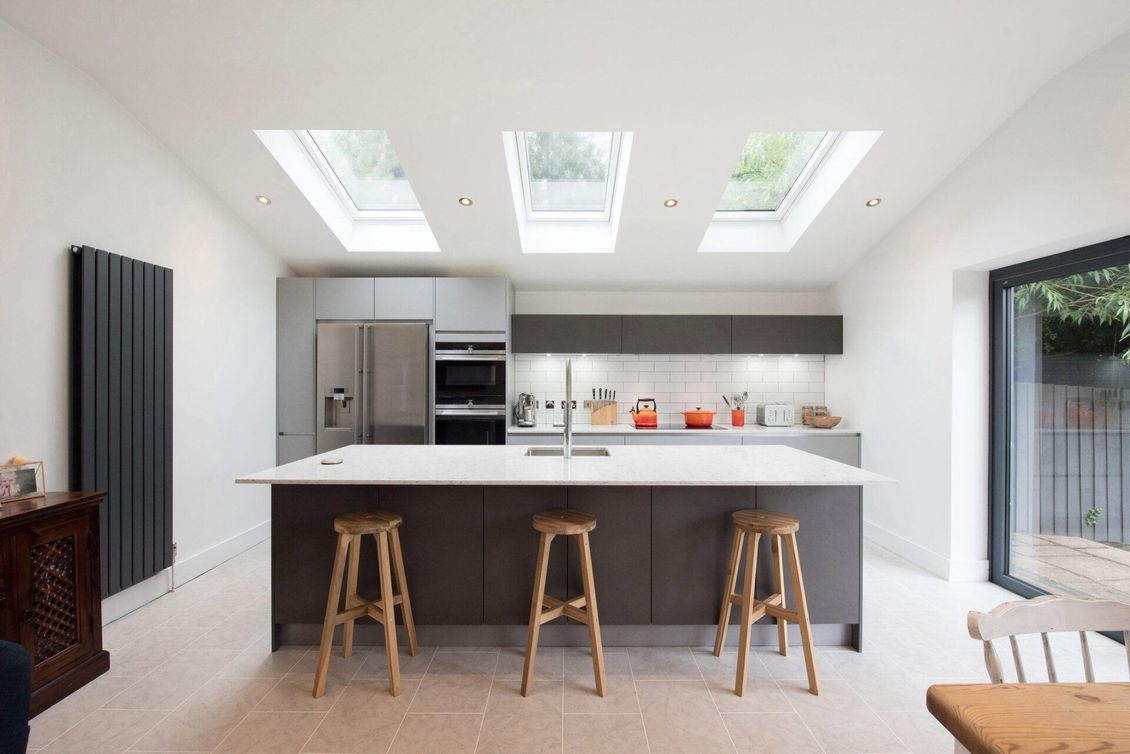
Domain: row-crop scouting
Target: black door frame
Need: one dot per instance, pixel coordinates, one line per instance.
(1095, 256)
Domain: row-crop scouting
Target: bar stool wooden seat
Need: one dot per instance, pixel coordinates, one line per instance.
(545, 608)
(350, 527)
(782, 528)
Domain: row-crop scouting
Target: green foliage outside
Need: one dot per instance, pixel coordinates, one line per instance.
(369, 154)
(769, 166)
(568, 155)
(1087, 312)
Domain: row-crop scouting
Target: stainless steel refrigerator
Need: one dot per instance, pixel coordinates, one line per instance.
(372, 384)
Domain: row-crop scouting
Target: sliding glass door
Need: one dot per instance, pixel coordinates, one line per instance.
(1061, 424)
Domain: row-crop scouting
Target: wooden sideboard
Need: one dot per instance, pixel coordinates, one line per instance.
(50, 599)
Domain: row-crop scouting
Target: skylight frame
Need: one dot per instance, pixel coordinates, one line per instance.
(338, 188)
(810, 170)
(610, 183)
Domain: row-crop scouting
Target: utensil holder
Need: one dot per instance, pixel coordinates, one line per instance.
(604, 412)
(737, 417)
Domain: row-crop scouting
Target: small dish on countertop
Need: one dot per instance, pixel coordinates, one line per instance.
(825, 422)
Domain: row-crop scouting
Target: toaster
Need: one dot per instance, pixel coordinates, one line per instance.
(776, 414)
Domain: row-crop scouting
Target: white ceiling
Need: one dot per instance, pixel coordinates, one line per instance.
(691, 80)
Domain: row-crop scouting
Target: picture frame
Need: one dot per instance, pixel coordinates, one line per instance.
(21, 481)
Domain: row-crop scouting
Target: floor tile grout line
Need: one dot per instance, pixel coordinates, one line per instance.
(408, 709)
(254, 706)
(714, 701)
(800, 717)
(482, 722)
(636, 691)
(876, 714)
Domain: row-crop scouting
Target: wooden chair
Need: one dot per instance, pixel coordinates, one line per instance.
(782, 528)
(544, 608)
(1044, 615)
(384, 528)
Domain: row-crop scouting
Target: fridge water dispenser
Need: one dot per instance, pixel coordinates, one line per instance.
(339, 409)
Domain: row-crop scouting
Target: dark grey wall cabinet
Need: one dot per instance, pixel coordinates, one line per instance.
(658, 333)
(472, 304)
(565, 333)
(676, 333)
(788, 334)
(344, 298)
(123, 409)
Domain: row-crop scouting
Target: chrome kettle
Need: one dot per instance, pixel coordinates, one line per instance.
(524, 410)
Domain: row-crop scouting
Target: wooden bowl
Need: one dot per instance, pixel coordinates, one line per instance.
(826, 422)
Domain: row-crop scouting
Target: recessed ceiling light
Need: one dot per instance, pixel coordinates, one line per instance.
(465, 201)
(670, 203)
(263, 199)
(874, 202)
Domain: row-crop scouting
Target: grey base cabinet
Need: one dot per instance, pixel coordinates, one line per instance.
(511, 548)
(659, 553)
(621, 552)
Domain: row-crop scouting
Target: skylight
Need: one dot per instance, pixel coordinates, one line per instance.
(772, 170)
(568, 175)
(355, 182)
(363, 166)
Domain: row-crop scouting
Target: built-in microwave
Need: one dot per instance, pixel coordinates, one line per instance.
(470, 373)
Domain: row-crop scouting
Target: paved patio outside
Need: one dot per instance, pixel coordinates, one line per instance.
(1072, 565)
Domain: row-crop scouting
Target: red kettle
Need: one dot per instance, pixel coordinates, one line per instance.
(645, 417)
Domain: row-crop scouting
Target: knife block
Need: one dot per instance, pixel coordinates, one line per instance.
(604, 412)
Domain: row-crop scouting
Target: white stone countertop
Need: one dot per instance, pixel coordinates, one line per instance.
(797, 430)
(667, 466)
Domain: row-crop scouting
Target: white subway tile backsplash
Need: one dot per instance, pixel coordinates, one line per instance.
(677, 382)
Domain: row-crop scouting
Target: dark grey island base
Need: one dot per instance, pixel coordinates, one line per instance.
(659, 556)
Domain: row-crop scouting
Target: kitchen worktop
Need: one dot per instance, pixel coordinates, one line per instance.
(739, 465)
(796, 430)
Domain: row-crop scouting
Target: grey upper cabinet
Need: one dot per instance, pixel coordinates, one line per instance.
(344, 298)
(404, 298)
(565, 333)
(788, 334)
(295, 355)
(472, 304)
(676, 334)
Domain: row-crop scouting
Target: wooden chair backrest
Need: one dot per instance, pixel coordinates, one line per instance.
(1044, 615)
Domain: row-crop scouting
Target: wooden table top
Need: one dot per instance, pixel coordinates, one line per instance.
(1026, 718)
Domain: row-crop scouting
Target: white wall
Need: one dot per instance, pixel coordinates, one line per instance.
(914, 373)
(75, 168)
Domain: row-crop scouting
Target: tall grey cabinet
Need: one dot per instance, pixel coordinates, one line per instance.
(294, 374)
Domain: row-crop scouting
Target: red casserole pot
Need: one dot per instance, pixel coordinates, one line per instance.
(698, 418)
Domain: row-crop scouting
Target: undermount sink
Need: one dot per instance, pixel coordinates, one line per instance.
(587, 452)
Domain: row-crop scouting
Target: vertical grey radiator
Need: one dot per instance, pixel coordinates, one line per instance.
(122, 412)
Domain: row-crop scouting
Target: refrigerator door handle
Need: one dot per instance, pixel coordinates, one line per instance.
(363, 414)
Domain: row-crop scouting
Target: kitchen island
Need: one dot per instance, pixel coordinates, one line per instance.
(660, 547)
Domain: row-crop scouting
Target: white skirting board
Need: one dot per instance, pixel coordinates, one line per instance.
(939, 565)
(128, 600)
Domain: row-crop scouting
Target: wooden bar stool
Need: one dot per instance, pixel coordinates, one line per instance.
(350, 528)
(782, 528)
(581, 609)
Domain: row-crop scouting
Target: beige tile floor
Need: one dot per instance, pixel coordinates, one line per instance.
(1072, 565)
(193, 671)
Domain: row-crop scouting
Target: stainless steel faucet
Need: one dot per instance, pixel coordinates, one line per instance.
(568, 410)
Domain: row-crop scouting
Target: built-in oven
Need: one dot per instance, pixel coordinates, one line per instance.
(470, 372)
(470, 393)
(470, 426)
